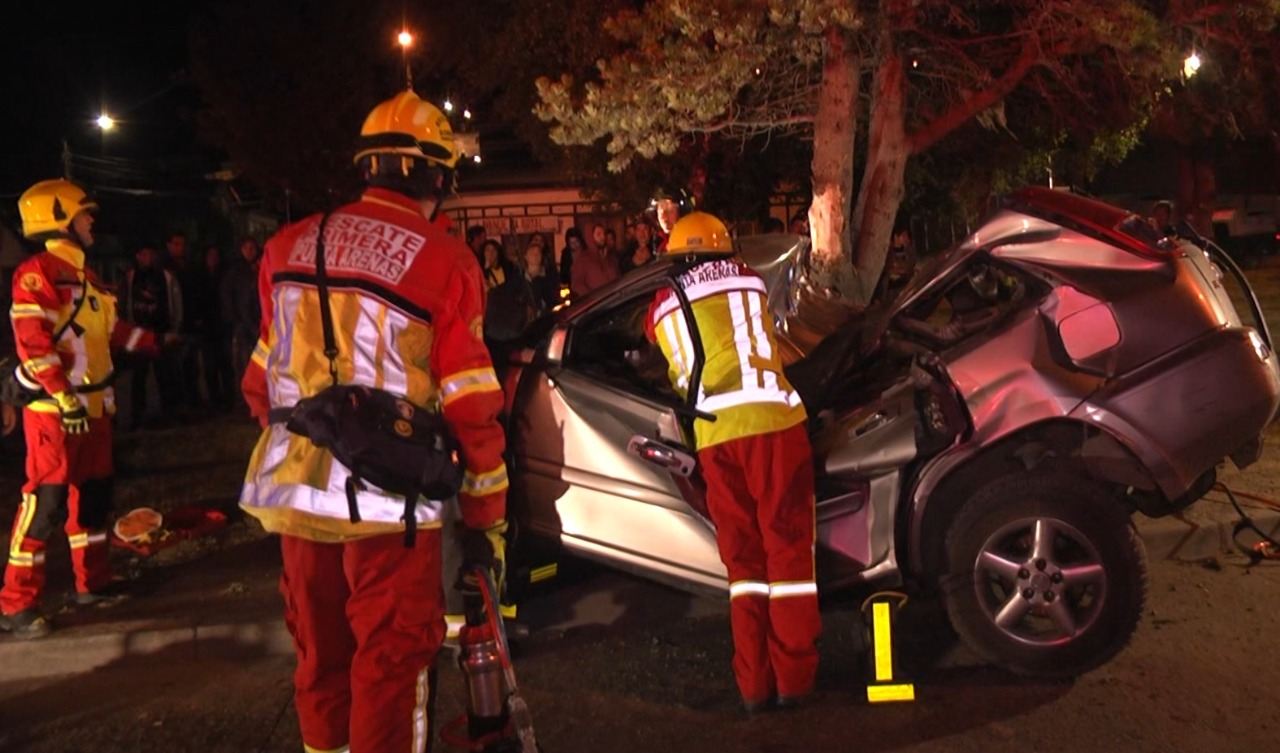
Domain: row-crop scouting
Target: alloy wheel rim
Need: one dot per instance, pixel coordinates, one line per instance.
(1040, 581)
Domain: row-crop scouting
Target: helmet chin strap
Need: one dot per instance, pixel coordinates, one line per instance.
(75, 237)
(442, 190)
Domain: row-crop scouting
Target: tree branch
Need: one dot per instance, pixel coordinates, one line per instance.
(750, 126)
(1213, 10)
(967, 108)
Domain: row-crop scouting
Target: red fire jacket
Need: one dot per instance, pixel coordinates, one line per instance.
(407, 305)
(47, 290)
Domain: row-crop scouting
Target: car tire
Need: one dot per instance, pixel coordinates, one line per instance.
(1053, 609)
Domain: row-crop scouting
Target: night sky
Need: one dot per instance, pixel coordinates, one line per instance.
(65, 63)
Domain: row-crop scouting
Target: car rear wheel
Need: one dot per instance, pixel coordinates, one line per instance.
(1046, 575)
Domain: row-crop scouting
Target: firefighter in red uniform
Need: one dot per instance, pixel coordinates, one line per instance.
(755, 458)
(366, 612)
(65, 326)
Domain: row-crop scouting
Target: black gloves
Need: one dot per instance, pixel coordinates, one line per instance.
(75, 417)
(486, 548)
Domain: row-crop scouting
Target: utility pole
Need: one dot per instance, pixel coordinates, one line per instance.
(405, 39)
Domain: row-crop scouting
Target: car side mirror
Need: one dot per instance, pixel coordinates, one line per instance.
(555, 345)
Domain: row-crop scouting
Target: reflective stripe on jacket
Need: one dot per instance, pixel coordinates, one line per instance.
(46, 289)
(407, 307)
(742, 380)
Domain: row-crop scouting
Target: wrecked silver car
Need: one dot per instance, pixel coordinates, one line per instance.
(989, 433)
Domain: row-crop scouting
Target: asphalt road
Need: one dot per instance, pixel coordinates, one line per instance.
(1200, 676)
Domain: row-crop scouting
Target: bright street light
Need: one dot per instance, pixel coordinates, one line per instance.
(405, 40)
(1191, 65)
(106, 122)
(448, 106)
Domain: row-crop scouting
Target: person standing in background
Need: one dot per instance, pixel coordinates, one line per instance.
(215, 352)
(151, 298)
(184, 361)
(642, 249)
(595, 267)
(544, 288)
(573, 245)
(239, 303)
(476, 236)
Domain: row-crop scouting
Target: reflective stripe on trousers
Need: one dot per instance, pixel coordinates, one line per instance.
(68, 488)
(760, 496)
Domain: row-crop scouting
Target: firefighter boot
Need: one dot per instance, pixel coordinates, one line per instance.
(26, 625)
(109, 595)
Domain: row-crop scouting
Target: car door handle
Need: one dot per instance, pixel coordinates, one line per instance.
(662, 455)
(878, 419)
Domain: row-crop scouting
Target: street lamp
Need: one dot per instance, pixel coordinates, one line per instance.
(1191, 64)
(105, 122)
(405, 40)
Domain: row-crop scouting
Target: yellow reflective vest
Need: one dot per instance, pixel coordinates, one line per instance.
(55, 294)
(742, 382)
(407, 303)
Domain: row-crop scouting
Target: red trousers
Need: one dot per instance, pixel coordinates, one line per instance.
(367, 619)
(69, 485)
(760, 497)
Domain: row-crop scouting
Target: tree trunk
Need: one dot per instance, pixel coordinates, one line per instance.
(883, 178)
(834, 131)
(1197, 187)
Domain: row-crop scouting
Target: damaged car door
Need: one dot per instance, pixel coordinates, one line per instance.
(606, 459)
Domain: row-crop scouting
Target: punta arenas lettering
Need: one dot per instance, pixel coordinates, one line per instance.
(360, 244)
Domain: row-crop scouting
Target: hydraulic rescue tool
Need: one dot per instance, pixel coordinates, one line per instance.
(497, 719)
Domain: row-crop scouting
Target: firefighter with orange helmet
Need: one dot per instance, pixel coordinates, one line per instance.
(65, 326)
(755, 458)
(365, 611)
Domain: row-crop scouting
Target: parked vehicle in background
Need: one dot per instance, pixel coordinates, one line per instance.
(1247, 235)
(988, 434)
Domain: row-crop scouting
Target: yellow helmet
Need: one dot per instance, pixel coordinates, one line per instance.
(699, 233)
(407, 126)
(49, 206)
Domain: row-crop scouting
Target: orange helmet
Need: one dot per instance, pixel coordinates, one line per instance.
(699, 233)
(407, 126)
(49, 206)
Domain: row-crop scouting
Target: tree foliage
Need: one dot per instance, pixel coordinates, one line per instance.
(1046, 80)
(1234, 92)
(739, 69)
(1232, 96)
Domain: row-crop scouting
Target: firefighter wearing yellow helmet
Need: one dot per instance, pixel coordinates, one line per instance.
(755, 457)
(64, 326)
(367, 612)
